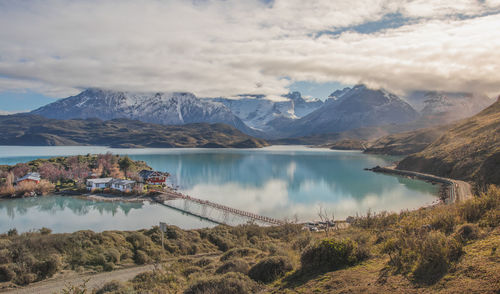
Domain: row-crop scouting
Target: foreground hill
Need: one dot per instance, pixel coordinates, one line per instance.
(470, 150)
(158, 108)
(440, 249)
(34, 130)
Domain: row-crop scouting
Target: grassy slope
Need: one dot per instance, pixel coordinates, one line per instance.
(26, 129)
(407, 142)
(470, 150)
(238, 249)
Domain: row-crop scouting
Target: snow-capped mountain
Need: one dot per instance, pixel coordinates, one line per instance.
(162, 108)
(257, 111)
(350, 108)
(454, 106)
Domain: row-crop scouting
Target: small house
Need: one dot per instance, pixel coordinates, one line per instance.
(100, 183)
(30, 177)
(121, 185)
(152, 177)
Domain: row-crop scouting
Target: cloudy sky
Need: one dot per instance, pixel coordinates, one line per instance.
(55, 48)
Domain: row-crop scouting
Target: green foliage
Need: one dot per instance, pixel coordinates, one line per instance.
(330, 254)
(270, 269)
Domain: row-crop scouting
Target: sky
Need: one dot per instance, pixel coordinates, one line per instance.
(56, 48)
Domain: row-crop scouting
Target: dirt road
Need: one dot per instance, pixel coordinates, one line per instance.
(94, 280)
(459, 190)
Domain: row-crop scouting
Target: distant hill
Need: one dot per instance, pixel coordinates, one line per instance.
(470, 150)
(34, 130)
(407, 142)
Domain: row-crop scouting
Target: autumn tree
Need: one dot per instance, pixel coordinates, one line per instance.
(125, 163)
(21, 169)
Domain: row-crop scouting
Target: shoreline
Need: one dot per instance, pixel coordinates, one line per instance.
(457, 190)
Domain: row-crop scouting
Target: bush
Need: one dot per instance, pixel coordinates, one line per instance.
(110, 287)
(141, 257)
(47, 268)
(6, 274)
(467, 232)
(235, 283)
(203, 262)
(434, 257)
(236, 265)
(221, 243)
(425, 257)
(191, 270)
(45, 231)
(239, 252)
(444, 221)
(330, 254)
(25, 279)
(270, 268)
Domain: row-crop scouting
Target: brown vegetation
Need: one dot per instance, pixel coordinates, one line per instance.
(469, 151)
(445, 248)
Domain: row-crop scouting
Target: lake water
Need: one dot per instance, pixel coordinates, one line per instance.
(278, 181)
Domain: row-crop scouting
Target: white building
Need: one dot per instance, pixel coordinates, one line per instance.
(122, 185)
(98, 183)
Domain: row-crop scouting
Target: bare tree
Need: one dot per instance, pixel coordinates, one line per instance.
(326, 217)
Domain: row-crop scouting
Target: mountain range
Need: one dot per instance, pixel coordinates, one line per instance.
(290, 116)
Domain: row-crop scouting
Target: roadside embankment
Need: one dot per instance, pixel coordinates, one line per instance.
(458, 190)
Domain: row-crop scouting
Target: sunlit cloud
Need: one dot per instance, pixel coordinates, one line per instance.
(224, 48)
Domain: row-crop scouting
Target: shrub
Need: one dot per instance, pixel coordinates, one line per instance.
(434, 258)
(239, 252)
(467, 232)
(235, 283)
(331, 254)
(12, 232)
(425, 257)
(235, 265)
(6, 274)
(45, 231)
(25, 279)
(270, 268)
(112, 255)
(141, 257)
(444, 221)
(47, 268)
(108, 266)
(191, 270)
(203, 262)
(221, 243)
(110, 287)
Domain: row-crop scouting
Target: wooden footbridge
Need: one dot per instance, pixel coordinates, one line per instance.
(206, 209)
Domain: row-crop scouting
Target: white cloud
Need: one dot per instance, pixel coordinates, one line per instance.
(224, 48)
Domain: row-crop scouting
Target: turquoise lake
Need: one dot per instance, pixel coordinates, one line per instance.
(280, 181)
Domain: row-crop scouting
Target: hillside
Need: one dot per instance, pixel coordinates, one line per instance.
(34, 130)
(439, 249)
(407, 142)
(470, 150)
